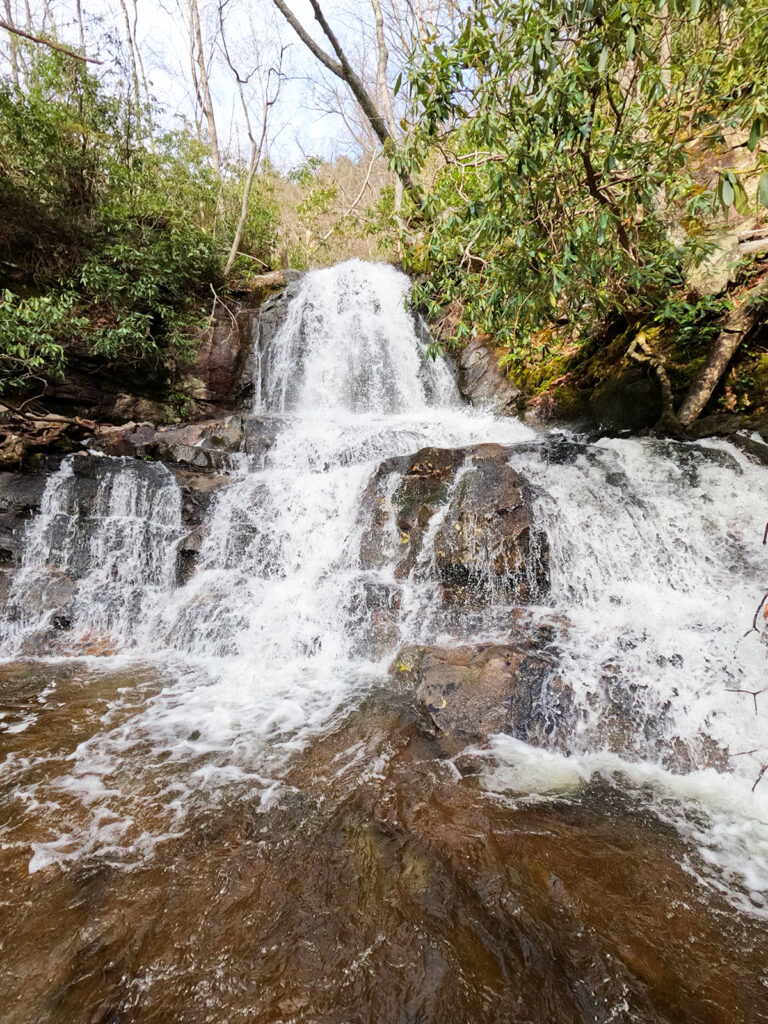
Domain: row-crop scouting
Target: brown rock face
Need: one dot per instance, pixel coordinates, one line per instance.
(472, 691)
(226, 347)
(487, 547)
(483, 381)
(222, 353)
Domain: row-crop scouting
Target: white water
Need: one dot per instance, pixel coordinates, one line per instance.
(657, 566)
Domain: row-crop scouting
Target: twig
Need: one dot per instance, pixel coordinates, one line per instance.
(754, 694)
(763, 770)
(217, 298)
(753, 628)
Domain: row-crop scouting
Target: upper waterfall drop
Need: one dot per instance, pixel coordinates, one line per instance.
(349, 343)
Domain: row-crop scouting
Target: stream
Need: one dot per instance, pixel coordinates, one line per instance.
(225, 795)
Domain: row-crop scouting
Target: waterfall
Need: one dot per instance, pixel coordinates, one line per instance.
(654, 561)
(101, 551)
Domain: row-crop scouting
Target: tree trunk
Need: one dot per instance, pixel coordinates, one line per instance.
(134, 65)
(386, 102)
(81, 29)
(13, 44)
(665, 50)
(737, 325)
(140, 62)
(206, 103)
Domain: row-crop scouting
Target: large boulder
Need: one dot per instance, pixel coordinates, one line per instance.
(20, 497)
(485, 548)
(472, 691)
(483, 381)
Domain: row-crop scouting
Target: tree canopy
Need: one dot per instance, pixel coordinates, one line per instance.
(577, 151)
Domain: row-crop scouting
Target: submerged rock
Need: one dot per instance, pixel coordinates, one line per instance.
(472, 691)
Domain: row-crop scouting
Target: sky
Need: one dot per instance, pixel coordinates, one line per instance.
(255, 32)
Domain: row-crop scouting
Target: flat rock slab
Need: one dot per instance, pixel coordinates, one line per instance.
(473, 691)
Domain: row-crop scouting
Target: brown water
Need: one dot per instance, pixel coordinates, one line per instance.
(382, 886)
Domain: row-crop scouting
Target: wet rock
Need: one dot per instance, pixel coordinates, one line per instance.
(374, 616)
(472, 691)
(483, 381)
(265, 326)
(487, 547)
(756, 450)
(203, 447)
(49, 597)
(225, 351)
(399, 502)
(20, 497)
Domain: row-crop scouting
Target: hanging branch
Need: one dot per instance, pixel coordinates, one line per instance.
(48, 43)
(342, 69)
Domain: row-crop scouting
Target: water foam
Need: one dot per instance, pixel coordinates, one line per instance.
(656, 569)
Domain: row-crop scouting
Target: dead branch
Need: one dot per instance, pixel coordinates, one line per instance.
(736, 326)
(18, 412)
(760, 607)
(754, 694)
(47, 42)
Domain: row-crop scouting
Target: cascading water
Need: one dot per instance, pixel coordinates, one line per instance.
(654, 568)
(105, 538)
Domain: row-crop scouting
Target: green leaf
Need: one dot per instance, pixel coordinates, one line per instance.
(762, 189)
(695, 4)
(398, 83)
(630, 41)
(727, 193)
(754, 135)
(740, 200)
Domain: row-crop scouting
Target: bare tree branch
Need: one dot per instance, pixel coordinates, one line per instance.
(47, 42)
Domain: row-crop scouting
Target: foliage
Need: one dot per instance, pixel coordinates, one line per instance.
(119, 242)
(558, 135)
(32, 333)
(694, 325)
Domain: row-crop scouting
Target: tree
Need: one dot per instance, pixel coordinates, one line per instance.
(269, 79)
(556, 137)
(340, 66)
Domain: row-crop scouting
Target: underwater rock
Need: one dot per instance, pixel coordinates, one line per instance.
(472, 691)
